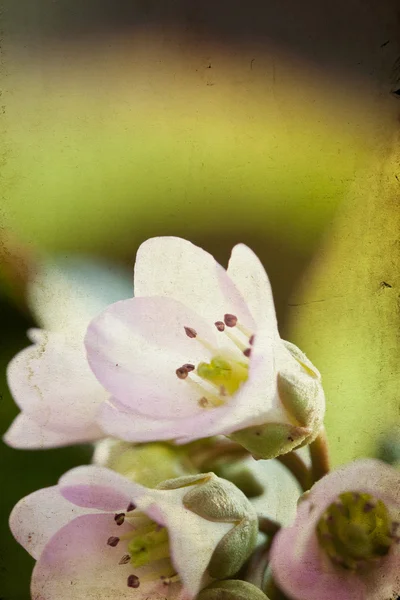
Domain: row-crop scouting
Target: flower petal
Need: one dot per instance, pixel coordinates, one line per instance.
(302, 569)
(193, 539)
(77, 563)
(364, 475)
(172, 267)
(67, 292)
(98, 487)
(134, 348)
(54, 385)
(27, 434)
(36, 518)
(250, 278)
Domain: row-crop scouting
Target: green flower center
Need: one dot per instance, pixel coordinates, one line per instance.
(356, 530)
(228, 369)
(225, 373)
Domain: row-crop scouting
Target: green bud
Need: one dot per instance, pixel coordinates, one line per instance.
(232, 589)
(271, 439)
(240, 475)
(296, 403)
(234, 549)
(184, 481)
(148, 464)
(221, 501)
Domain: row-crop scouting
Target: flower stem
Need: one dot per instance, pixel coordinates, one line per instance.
(319, 453)
(298, 469)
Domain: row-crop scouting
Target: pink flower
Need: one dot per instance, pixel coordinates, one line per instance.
(197, 353)
(98, 535)
(344, 541)
(51, 381)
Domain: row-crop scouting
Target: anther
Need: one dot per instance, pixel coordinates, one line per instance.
(113, 541)
(368, 506)
(251, 340)
(190, 332)
(219, 325)
(247, 352)
(131, 506)
(230, 320)
(125, 559)
(203, 402)
(189, 367)
(133, 581)
(182, 372)
(119, 518)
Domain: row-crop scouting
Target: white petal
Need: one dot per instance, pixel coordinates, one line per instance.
(53, 384)
(193, 538)
(78, 564)
(27, 434)
(134, 348)
(281, 491)
(66, 292)
(172, 267)
(99, 487)
(36, 518)
(250, 278)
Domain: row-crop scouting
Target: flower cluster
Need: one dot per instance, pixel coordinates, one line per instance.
(188, 392)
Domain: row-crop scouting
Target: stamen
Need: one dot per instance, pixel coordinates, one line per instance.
(189, 367)
(125, 559)
(219, 325)
(172, 579)
(182, 372)
(190, 332)
(251, 339)
(119, 518)
(206, 394)
(113, 541)
(131, 506)
(247, 352)
(203, 402)
(236, 341)
(230, 320)
(244, 330)
(133, 581)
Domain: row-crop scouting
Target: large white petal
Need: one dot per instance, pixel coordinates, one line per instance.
(250, 278)
(99, 487)
(36, 518)
(134, 348)
(77, 563)
(175, 268)
(27, 434)
(53, 384)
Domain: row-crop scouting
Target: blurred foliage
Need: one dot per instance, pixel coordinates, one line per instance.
(347, 313)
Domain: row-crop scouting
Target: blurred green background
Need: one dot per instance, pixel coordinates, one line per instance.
(275, 129)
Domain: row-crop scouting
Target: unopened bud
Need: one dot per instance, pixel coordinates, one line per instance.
(147, 464)
(271, 439)
(221, 501)
(232, 589)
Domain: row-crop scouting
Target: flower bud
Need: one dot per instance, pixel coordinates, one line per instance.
(240, 475)
(148, 464)
(232, 589)
(271, 439)
(220, 501)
